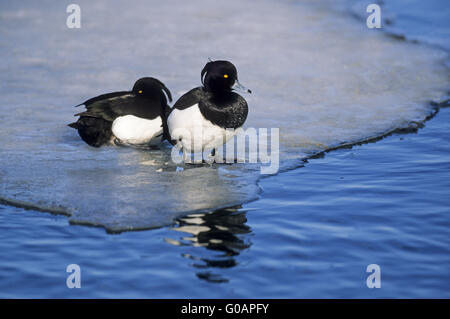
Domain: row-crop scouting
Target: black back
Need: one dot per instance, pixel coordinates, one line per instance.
(127, 103)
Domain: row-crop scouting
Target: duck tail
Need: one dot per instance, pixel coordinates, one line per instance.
(74, 125)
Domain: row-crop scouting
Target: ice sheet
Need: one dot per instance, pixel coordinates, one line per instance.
(320, 77)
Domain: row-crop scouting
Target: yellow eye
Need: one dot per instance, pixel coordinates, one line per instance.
(226, 76)
(140, 91)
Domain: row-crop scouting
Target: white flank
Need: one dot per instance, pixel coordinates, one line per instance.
(131, 129)
(195, 133)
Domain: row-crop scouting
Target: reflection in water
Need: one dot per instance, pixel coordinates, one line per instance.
(222, 231)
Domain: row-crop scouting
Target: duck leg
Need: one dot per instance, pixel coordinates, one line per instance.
(186, 157)
(217, 156)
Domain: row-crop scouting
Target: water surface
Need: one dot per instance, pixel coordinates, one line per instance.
(310, 235)
(317, 73)
(324, 79)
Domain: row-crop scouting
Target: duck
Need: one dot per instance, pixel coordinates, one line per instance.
(208, 116)
(129, 118)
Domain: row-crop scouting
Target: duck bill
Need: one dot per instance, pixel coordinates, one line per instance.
(239, 87)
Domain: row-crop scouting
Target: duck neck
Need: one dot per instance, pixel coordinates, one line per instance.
(220, 95)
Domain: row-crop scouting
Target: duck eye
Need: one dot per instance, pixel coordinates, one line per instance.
(225, 76)
(140, 91)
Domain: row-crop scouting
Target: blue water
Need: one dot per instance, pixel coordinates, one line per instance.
(311, 233)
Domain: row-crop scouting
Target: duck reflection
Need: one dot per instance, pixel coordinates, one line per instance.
(223, 231)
